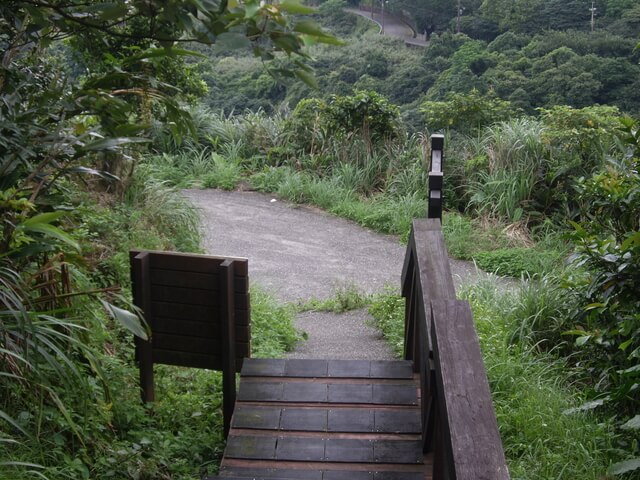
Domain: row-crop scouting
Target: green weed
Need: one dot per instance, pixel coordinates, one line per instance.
(345, 298)
(530, 391)
(272, 330)
(517, 262)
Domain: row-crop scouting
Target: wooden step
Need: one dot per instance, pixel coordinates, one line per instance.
(326, 420)
(292, 474)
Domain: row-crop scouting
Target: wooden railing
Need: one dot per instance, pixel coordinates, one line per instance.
(458, 419)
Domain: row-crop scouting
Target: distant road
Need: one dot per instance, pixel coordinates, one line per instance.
(393, 26)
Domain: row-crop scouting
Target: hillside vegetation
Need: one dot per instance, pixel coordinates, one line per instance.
(108, 109)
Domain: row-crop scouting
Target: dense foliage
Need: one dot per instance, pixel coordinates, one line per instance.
(538, 145)
(532, 68)
(82, 84)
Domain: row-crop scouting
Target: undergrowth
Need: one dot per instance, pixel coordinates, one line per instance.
(346, 297)
(531, 391)
(99, 428)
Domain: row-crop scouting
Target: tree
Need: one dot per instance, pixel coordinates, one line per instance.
(56, 122)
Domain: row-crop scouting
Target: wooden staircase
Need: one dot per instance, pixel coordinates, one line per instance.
(326, 420)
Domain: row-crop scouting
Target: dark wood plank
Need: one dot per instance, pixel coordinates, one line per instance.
(349, 450)
(398, 451)
(302, 449)
(253, 447)
(349, 368)
(305, 368)
(260, 391)
(193, 262)
(191, 344)
(195, 296)
(390, 394)
(189, 279)
(263, 367)
(348, 393)
(346, 475)
(432, 255)
(261, 418)
(351, 420)
(228, 347)
(392, 369)
(205, 330)
(398, 476)
(467, 416)
(142, 299)
(305, 392)
(304, 419)
(397, 421)
(280, 473)
(197, 313)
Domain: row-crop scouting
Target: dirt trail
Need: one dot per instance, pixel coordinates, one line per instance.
(300, 253)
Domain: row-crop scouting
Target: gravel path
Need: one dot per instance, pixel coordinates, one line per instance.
(393, 26)
(300, 253)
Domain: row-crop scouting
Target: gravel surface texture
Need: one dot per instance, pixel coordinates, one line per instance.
(300, 253)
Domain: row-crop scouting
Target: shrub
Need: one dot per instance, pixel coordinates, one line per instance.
(513, 262)
(466, 112)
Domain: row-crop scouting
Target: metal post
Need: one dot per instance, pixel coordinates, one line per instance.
(434, 209)
(382, 30)
(593, 16)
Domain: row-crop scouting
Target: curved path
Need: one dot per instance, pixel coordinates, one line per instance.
(300, 253)
(393, 26)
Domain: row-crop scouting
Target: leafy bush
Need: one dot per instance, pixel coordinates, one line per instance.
(466, 113)
(514, 262)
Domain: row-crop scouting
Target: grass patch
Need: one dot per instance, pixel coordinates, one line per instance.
(345, 298)
(515, 262)
(530, 392)
(272, 330)
(387, 311)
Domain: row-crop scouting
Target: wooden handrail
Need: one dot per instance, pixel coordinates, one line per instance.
(458, 419)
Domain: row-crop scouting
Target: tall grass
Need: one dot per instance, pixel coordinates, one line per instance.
(531, 393)
(515, 153)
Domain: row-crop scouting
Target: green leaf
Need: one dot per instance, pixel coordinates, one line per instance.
(43, 218)
(624, 345)
(311, 28)
(112, 144)
(13, 423)
(592, 306)
(307, 78)
(624, 467)
(162, 52)
(129, 320)
(628, 371)
(294, 6)
(65, 413)
(580, 341)
(53, 232)
(631, 241)
(251, 8)
(633, 424)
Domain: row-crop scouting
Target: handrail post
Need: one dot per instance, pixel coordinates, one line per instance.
(434, 209)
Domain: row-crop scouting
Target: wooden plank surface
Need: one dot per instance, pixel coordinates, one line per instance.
(326, 420)
(379, 369)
